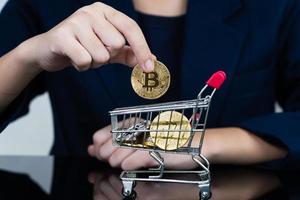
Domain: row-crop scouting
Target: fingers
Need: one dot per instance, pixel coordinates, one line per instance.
(138, 159)
(94, 46)
(102, 135)
(133, 34)
(108, 34)
(103, 149)
(118, 156)
(99, 138)
(106, 150)
(92, 36)
(79, 56)
(179, 161)
(105, 43)
(125, 56)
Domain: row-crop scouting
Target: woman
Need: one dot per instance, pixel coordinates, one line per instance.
(255, 42)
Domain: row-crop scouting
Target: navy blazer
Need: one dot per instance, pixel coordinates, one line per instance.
(257, 43)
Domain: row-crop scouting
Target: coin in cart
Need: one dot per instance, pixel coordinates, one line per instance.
(151, 85)
(170, 130)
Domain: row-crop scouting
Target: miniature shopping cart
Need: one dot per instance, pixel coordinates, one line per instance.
(131, 128)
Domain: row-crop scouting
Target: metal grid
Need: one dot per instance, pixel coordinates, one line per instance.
(133, 126)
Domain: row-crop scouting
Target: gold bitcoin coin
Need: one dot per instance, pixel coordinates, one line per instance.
(133, 145)
(178, 134)
(151, 85)
(145, 145)
(149, 142)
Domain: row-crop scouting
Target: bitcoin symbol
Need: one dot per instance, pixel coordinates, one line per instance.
(151, 80)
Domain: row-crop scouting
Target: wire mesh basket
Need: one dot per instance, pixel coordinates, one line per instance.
(173, 127)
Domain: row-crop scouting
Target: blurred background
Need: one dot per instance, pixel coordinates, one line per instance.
(32, 134)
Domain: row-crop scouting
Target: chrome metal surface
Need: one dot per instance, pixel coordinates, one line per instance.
(131, 129)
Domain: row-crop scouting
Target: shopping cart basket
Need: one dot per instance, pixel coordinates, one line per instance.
(134, 127)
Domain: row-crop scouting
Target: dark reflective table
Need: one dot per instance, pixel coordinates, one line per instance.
(85, 178)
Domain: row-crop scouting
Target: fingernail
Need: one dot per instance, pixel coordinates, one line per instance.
(149, 65)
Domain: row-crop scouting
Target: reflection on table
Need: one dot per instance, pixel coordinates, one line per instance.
(84, 178)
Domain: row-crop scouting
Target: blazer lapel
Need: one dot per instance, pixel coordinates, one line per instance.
(211, 44)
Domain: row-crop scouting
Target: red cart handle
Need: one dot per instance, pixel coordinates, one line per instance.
(216, 80)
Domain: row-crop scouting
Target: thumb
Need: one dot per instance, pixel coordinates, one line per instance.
(125, 56)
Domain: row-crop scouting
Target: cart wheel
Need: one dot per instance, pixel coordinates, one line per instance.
(125, 194)
(131, 196)
(134, 184)
(205, 195)
(127, 188)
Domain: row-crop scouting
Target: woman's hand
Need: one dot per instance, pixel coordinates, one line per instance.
(129, 159)
(220, 146)
(93, 36)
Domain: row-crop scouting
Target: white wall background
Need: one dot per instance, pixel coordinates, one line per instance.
(32, 134)
(2, 2)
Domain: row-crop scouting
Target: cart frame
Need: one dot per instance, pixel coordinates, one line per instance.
(131, 123)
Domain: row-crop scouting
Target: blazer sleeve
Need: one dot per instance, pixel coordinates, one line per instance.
(284, 128)
(18, 23)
